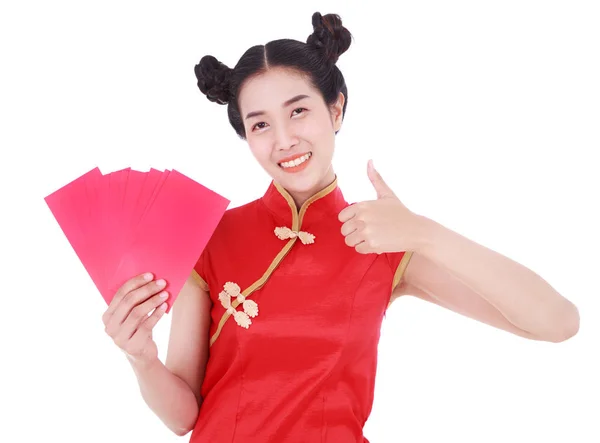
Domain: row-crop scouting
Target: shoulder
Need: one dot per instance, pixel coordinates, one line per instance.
(236, 221)
(240, 213)
(225, 241)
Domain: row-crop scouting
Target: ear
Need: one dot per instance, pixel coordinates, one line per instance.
(337, 112)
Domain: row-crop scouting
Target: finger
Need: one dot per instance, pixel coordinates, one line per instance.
(363, 248)
(144, 331)
(349, 227)
(354, 239)
(151, 321)
(347, 213)
(138, 315)
(129, 301)
(128, 286)
(381, 187)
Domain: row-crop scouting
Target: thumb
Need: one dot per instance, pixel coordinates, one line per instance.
(381, 187)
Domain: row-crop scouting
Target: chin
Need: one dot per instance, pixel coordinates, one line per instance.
(301, 183)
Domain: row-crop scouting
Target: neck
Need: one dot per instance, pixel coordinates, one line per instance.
(301, 197)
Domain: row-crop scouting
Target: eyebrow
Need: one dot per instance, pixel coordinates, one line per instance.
(286, 103)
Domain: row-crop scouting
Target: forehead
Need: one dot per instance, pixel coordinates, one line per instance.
(270, 89)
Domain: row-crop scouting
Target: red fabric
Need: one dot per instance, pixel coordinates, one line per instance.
(304, 370)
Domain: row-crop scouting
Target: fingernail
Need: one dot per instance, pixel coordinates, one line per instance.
(163, 307)
(148, 276)
(160, 282)
(164, 294)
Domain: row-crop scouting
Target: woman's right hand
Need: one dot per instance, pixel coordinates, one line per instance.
(127, 322)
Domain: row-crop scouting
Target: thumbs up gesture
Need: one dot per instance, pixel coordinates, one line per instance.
(381, 225)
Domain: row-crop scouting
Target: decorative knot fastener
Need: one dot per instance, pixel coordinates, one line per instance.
(232, 291)
(284, 233)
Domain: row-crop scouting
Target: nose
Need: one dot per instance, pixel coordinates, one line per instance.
(285, 137)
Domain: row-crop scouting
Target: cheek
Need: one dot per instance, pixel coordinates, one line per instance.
(323, 132)
(325, 125)
(260, 149)
(312, 129)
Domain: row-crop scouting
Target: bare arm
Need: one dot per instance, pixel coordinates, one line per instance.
(172, 390)
(527, 297)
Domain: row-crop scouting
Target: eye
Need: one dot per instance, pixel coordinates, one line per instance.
(300, 109)
(257, 125)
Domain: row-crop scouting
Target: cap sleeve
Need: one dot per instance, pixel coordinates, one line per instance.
(199, 271)
(398, 263)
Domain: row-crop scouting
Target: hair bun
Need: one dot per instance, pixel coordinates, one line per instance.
(329, 36)
(213, 79)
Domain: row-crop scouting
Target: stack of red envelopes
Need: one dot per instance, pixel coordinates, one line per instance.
(129, 222)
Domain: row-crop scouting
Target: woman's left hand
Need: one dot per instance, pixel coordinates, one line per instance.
(382, 225)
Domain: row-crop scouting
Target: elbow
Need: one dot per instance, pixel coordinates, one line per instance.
(566, 334)
(566, 325)
(181, 429)
(181, 432)
(188, 427)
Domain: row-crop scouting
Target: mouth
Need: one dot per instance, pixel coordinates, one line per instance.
(295, 163)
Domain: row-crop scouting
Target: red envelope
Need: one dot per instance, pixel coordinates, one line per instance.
(69, 207)
(129, 222)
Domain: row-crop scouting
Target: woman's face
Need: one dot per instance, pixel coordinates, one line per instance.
(290, 130)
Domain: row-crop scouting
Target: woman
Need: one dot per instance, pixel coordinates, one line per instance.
(289, 295)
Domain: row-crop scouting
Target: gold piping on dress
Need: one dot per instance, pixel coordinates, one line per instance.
(401, 267)
(200, 280)
(399, 274)
(297, 217)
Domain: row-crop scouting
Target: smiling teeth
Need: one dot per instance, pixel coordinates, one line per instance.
(296, 162)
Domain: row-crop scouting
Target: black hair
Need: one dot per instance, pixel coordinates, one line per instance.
(314, 59)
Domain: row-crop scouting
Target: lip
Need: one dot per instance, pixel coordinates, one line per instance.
(293, 157)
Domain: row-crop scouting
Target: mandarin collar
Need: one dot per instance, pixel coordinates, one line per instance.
(326, 203)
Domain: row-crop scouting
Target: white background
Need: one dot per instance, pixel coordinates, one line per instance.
(481, 115)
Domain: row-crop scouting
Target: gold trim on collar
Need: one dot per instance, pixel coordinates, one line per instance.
(297, 217)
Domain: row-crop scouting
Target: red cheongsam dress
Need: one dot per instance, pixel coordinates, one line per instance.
(296, 317)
